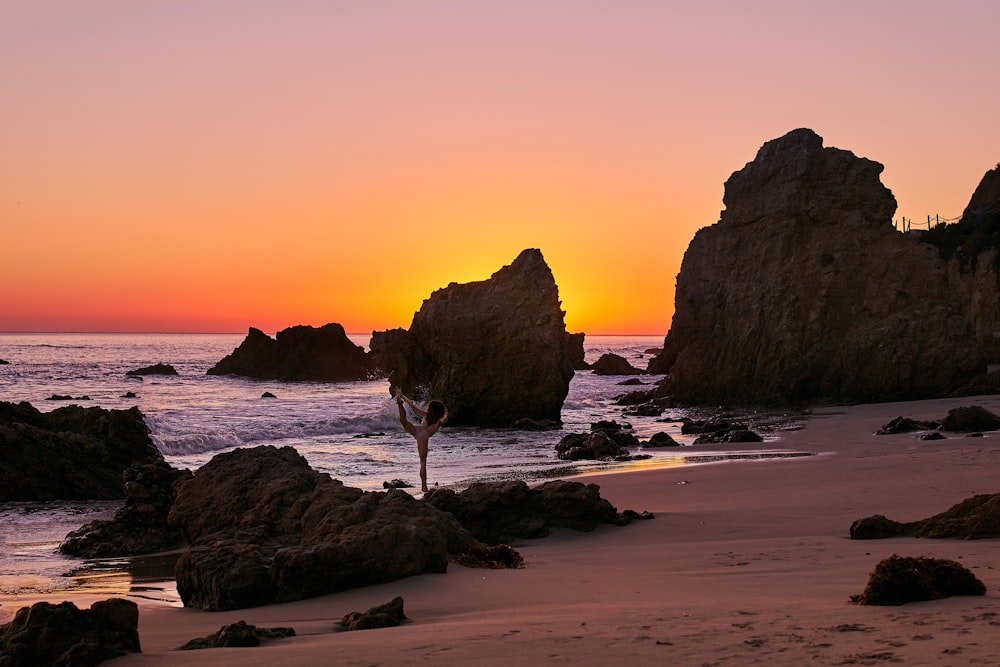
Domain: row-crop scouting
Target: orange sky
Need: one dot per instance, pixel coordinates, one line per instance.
(210, 165)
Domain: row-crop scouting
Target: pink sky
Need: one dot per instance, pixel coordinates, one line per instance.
(214, 165)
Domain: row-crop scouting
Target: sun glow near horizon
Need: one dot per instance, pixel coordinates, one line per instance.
(211, 166)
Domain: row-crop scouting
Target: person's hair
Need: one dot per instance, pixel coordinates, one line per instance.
(435, 411)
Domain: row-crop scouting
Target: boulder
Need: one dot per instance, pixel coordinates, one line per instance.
(502, 512)
(155, 369)
(63, 634)
(970, 419)
(323, 354)
(386, 615)
(898, 580)
(495, 351)
(264, 527)
(661, 439)
(607, 440)
(974, 518)
(804, 292)
(905, 425)
(614, 364)
(238, 634)
(140, 526)
(70, 453)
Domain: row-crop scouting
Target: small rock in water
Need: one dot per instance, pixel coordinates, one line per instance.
(397, 484)
(268, 394)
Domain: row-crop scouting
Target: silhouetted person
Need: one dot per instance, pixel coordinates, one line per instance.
(431, 420)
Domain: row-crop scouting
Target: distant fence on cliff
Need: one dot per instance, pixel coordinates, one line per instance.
(906, 224)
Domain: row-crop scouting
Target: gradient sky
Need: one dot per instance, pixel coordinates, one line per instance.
(210, 165)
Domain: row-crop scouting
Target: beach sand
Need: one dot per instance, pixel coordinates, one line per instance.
(745, 563)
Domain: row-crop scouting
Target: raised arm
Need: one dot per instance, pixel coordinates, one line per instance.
(410, 428)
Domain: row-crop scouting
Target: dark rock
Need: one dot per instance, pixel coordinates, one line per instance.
(787, 300)
(140, 526)
(3, 362)
(661, 439)
(502, 512)
(577, 354)
(155, 369)
(875, 527)
(70, 453)
(63, 634)
(268, 394)
(742, 435)
(631, 382)
(645, 410)
(494, 351)
(238, 634)
(932, 436)
(325, 354)
(607, 440)
(693, 426)
(636, 397)
(386, 615)
(59, 397)
(898, 580)
(970, 418)
(613, 364)
(974, 518)
(396, 484)
(525, 424)
(496, 557)
(970, 248)
(905, 425)
(129, 394)
(596, 446)
(264, 527)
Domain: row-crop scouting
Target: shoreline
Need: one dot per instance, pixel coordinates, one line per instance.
(743, 564)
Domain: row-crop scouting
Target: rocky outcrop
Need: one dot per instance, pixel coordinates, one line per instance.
(898, 580)
(63, 634)
(495, 351)
(155, 369)
(576, 351)
(614, 364)
(607, 440)
(971, 249)
(804, 292)
(140, 526)
(240, 634)
(974, 518)
(70, 453)
(386, 615)
(302, 352)
(264, 527)
(502, 512)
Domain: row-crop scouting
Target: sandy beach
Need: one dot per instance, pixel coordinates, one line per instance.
(745, 563)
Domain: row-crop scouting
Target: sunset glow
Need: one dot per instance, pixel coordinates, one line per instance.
(210, 165)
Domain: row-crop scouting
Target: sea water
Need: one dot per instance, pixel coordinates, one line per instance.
(347, 429)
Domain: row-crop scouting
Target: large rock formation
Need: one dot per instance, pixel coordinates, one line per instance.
(264, 527)
(140, 526)
(804, 292)
(302, 352)
(71, 453)
(494, 351)
(972, 249)
(974, 518)
(500, 512)
(63, 634)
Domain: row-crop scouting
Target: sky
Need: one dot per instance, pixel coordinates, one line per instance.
(212, 165)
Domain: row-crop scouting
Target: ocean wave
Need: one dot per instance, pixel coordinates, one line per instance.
(194, 438)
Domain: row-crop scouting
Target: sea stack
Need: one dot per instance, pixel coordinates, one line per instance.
(495, 351)
(804, 292)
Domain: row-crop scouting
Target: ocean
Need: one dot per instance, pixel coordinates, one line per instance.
(349, 430)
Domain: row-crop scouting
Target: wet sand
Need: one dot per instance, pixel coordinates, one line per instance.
(746, 562)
